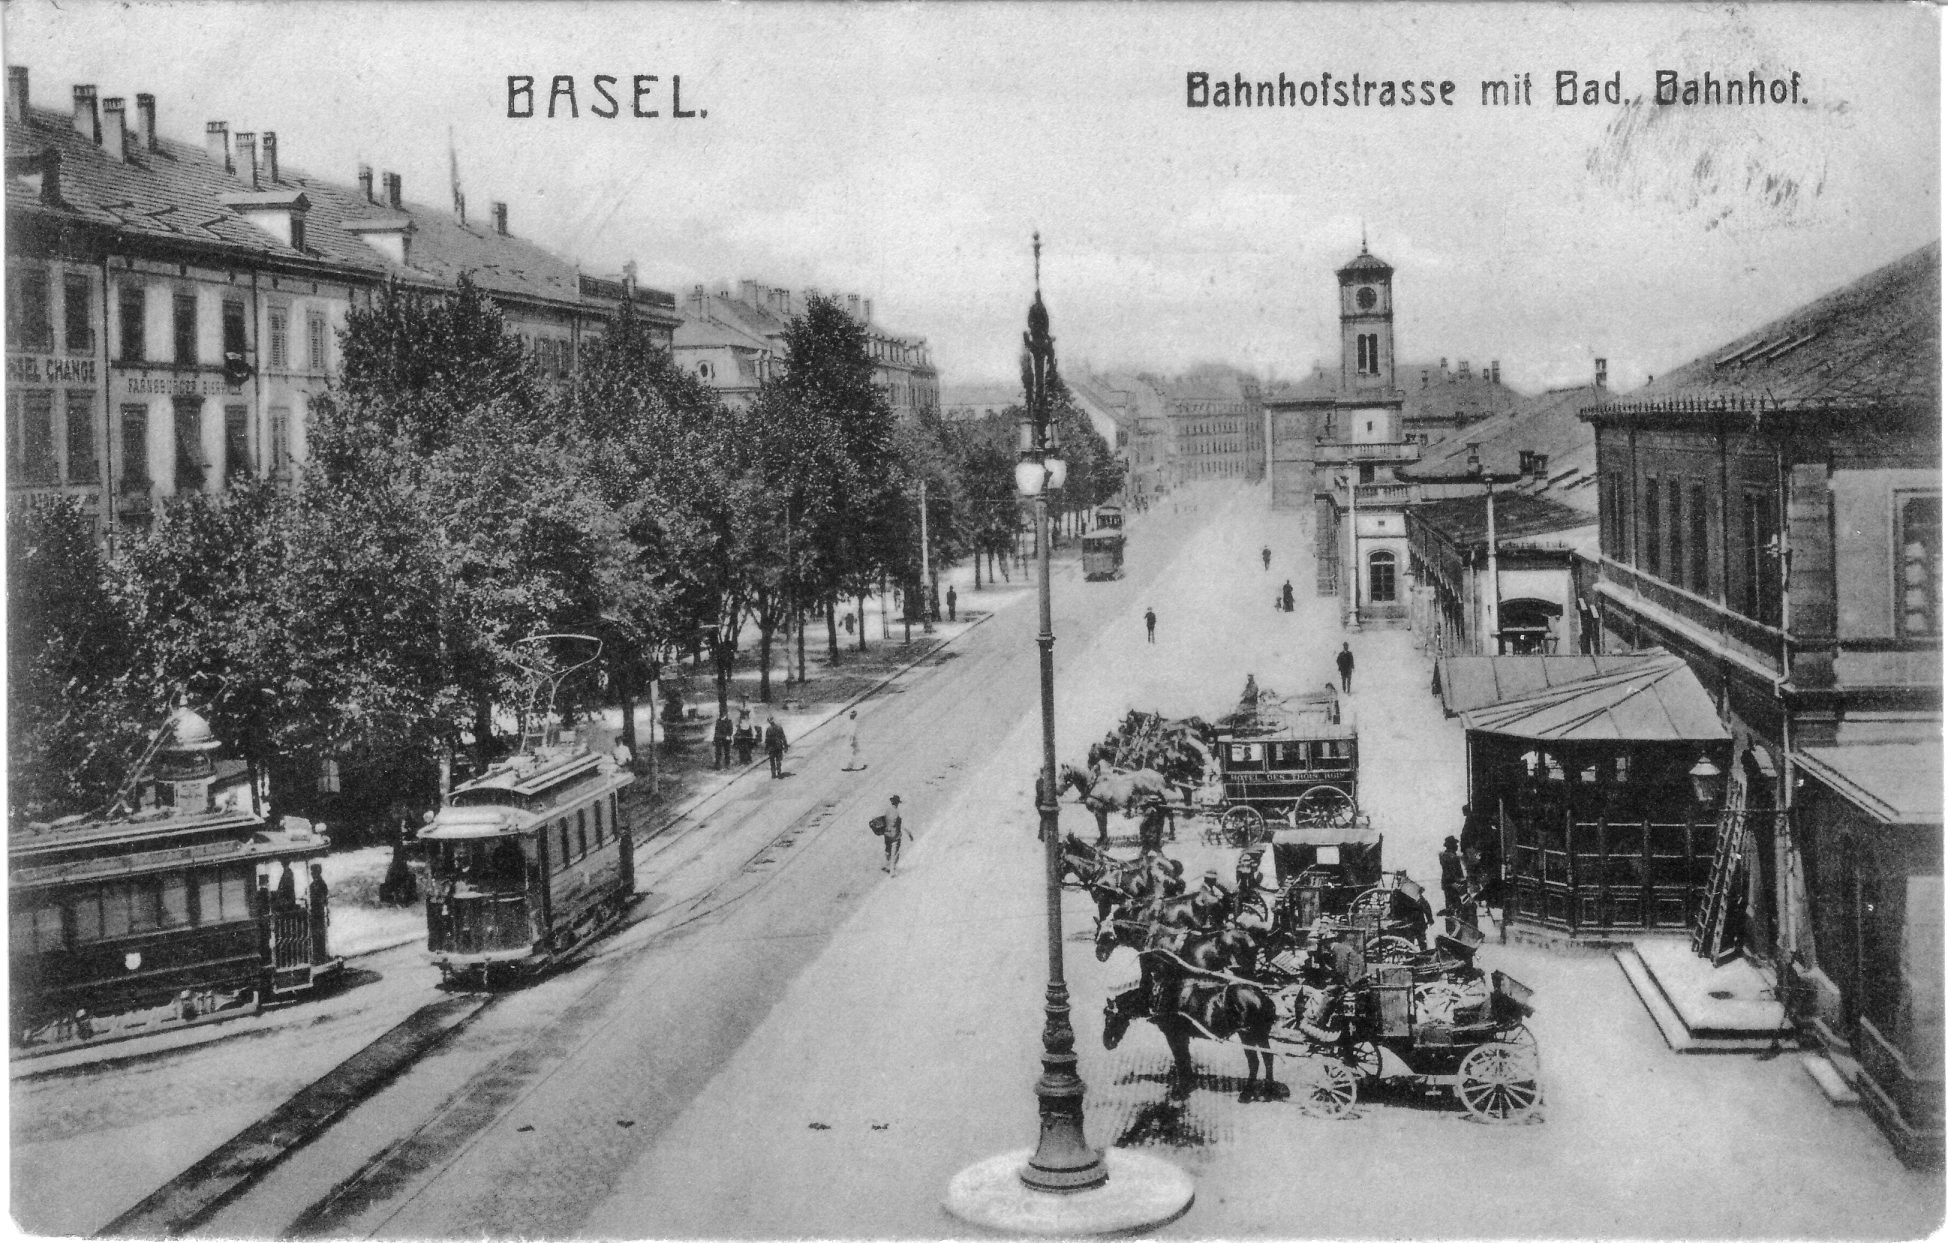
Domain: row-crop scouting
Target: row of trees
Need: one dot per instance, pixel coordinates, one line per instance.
(453, 506)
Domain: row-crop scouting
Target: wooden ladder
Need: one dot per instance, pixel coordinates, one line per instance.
(1727, 870)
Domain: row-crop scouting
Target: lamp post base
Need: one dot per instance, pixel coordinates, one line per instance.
(1143, 1192)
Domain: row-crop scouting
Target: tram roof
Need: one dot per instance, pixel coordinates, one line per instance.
(460, 823)
(158, 840)
(535, 771)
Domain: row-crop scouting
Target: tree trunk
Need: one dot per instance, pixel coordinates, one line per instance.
(766, 624)
(798, 624)
(724, 657)
(859, 606)
(483, 731)
(831, 630)
(626, 693)
(977, 569)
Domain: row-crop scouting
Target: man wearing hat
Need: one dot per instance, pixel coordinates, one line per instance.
(1214, 900)
(895, 834)
(1454, 876)
(1408, 914)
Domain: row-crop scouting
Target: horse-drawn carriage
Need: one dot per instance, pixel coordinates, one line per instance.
(1284, 758)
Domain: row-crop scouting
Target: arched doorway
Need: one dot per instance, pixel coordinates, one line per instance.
(1381, 582)
(1529, 627)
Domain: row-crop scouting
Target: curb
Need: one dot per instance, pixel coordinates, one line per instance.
(191, 1197)
(696, 802)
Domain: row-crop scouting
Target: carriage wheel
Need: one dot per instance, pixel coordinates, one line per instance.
(1241, 826)
(1372, 902)
(1329, 1088)
(1498, 1083)
(1393, 950)
(1325, 807)
(1365, 1060)
(1522, 1038)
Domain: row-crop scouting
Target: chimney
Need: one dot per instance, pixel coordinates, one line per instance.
(629, 279)
(267, 151)
(365, 182)
(394, 191)
(51, 177)
(114, 128)
(1462, 369)
(145, 119)
(869, 310)
(697, 296)
(747, 293)
(1495, 371)
(852, 306)
(1602, 373)
(247, 159)
(500, 218)
(17, 93)
(86, 122)
(216, 140)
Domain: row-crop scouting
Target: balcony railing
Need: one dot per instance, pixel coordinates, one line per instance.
(1379, 494)
(1343, 452)
(1757, 641)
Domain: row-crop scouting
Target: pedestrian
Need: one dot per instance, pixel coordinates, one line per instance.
(848, 625)
(952, 597)
(852, 761)
(720, 740)
(320, 896)
(895, 835)
(774, 745)
(1454, 876)
(1267, 556)
(1150, 624)
(1345, 662)
(1408, 914)
(1149, 830)
(746, 737)
(1287, 595)
(286, 898)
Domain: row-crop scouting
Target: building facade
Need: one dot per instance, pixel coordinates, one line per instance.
(174, 309)
(734, 341)
(1772, 514)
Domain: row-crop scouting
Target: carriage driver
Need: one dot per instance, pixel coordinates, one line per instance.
(1250, 909)
(1408, 912)
(1320, 991)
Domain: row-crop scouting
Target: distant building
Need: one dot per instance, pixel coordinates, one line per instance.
(1771, 513)
(1216, 418)
(978, 401)
(734, 341)
(1144, 422)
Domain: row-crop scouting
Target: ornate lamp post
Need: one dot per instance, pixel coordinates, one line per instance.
(1064, 1187)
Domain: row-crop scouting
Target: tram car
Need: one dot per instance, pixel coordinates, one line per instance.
(172, 909)
(1109, 518)
(1102, 548)
(530, 861)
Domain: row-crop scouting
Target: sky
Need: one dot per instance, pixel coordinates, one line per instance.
(908, 152)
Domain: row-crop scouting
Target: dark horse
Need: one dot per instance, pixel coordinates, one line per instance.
(1202, 1007)
(1112, 881)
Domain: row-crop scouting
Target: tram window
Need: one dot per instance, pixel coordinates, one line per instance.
(595, 810)
(87, 915)
(37, 928)
(175, 901)
(209, 898)
(117, 910)
(236, 892)
(564, 841)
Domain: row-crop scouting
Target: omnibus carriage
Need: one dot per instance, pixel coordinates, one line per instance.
(1288, 759)
(530, 861)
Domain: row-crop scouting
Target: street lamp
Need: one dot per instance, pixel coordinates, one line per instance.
(1707, 781)
(1064, 1187)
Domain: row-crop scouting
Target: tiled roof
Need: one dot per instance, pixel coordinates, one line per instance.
(699, 333)
(1650, 697)
(1518, 516)
(1546, 423)
(1895, 782)
(1877, 339)
(176, 193)
(173, 193)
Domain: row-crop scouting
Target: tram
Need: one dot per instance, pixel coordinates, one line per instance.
(171, 909)
(1109, 518)
(530, 861)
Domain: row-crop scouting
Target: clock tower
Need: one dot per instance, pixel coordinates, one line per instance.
(1366, 327)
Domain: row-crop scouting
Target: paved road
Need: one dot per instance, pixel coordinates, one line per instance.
(527, 1118)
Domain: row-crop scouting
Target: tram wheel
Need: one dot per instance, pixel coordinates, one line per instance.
(1498, 1083)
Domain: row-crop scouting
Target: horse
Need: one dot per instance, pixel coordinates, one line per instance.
(1212, 1009)
(1114, 881)
(1106, 789)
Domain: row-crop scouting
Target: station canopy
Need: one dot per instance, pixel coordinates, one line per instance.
(1647, 697)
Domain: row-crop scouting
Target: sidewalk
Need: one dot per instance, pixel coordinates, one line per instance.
(908, 1050)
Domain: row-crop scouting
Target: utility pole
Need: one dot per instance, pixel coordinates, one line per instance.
(926, 568)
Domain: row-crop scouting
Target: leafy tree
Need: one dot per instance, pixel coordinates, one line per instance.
(77, 707)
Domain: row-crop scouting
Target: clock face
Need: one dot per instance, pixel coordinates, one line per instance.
(1366, 298)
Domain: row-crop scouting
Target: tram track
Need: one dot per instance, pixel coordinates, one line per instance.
(599, 1059)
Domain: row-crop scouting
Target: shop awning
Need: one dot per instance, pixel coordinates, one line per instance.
(1894, 782)
(1648, 697)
